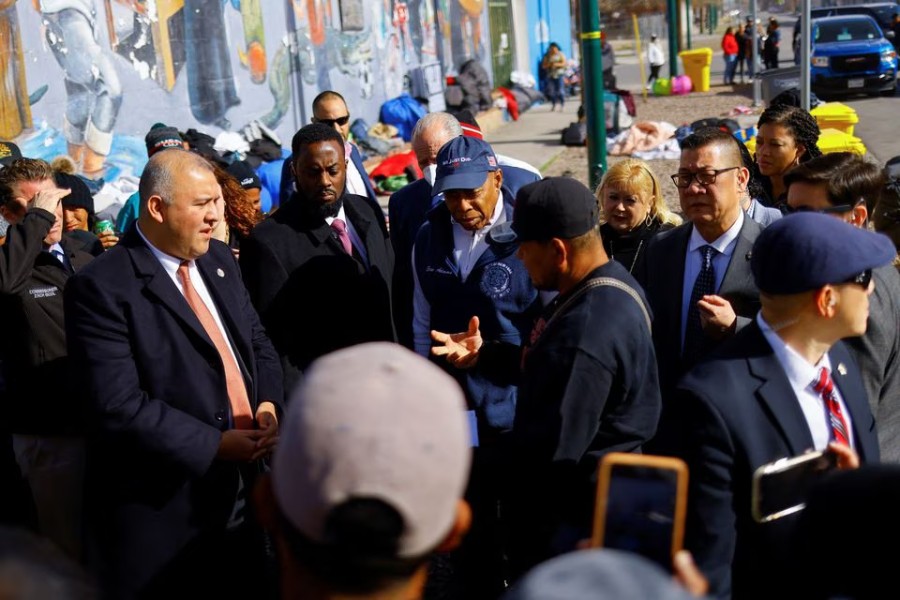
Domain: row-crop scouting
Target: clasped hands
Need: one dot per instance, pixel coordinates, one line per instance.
(248, 445)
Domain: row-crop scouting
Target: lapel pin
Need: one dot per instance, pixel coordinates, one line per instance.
(749, 255)
(220, 272)
(842, 369)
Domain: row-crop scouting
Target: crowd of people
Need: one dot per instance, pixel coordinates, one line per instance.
(209, 401)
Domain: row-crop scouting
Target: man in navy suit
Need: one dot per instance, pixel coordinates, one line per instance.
(697, 276)
(783, 385)
(181, 386)
(319, 268)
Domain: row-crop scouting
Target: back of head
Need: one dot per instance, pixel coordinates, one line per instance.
(371, 465)
(848, 178)
(598, 574)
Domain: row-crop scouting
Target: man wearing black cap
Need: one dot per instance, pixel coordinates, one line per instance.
(783, 385)
(587, 374)
(847, 186)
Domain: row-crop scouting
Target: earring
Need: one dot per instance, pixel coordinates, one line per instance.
(648, 219)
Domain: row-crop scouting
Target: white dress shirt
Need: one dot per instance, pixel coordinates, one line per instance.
(355, 184)
(693, 260)
(170, 265)
(802, 375)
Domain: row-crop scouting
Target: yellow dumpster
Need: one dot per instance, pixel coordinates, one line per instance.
(834, 140)
(696, 66)
(835, 115)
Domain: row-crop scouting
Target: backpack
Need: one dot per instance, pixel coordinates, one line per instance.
(575, 134)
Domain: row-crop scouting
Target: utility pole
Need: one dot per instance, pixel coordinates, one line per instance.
(805, 37)
(592, 63)
(672, 17)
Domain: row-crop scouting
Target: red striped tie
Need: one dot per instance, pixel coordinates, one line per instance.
(825, 386)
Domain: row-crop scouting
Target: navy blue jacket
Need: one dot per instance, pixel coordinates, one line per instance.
(737, 412)
(498, 291)
(154, 387)
(407, 209)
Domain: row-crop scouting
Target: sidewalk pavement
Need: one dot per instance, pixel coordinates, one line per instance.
(535, 137)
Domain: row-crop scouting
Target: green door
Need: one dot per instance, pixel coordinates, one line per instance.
(503, 48)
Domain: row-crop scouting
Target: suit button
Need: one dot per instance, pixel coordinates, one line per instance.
(220, 415)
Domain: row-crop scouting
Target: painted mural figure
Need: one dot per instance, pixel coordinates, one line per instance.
(93, 91)
(15, 111)
(210, 79)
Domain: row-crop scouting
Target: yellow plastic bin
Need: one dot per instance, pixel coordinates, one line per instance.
(835, 115)
(834, 140)
(696, 66)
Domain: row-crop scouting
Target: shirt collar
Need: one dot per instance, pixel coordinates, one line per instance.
(341, 215)
(168, 262)
(724, 242)
(797, 368)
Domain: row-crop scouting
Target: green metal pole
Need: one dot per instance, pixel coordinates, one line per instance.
(592, 63)
(672, 17)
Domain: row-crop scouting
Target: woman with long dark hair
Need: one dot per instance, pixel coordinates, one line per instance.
(787, 136)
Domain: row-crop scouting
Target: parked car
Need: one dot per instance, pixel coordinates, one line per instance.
(850, 55)
(882, 12)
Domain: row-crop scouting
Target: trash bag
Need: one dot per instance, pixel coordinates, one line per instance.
(403, 112)
(575, 134)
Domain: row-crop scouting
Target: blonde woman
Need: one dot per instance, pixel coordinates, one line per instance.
(632, 210)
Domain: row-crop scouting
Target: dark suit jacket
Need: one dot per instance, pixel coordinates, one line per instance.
(738, 411)
(661, 273)
(314, 298)
(157, 403)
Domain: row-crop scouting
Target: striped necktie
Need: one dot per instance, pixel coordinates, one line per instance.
(825, 386)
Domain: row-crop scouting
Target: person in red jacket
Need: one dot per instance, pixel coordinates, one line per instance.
(730, 50)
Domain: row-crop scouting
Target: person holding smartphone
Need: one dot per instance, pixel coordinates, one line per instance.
(781, 386)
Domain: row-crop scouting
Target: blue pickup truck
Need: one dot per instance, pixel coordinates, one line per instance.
(851, 55)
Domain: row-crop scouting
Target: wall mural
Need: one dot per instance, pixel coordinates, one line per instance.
(88, 78)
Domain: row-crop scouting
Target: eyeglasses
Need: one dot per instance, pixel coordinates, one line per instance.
(340, 121)
(683, 180)
(863, 279)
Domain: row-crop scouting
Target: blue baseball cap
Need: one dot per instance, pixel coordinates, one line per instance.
(463, 164)
(806, 251)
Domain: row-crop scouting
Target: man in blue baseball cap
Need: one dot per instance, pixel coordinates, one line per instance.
(784, 385)
(586, 373)
(459, 273)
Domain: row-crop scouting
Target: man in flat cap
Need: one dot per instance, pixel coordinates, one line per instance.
(847, 186)
(586, 375)
(783, 385)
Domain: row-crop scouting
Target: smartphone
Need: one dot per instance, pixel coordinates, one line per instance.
(641, 505)
(780, 488)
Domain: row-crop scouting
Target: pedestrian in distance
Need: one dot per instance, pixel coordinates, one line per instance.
(729, 53)
(554, 66)
(656, 59)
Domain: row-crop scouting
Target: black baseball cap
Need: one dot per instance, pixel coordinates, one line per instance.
(8, 153)
(244, 173)
(555, 207)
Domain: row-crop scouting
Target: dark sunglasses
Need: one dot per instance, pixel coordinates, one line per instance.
(863, 279)
(340, 121)
(837, 209)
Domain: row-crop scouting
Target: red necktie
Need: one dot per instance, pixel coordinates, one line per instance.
(341, 229)
(825, 386)
(241, 413)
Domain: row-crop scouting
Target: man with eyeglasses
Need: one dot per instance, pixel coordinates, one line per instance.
(782, 386)
(697, 276)
(847, 186)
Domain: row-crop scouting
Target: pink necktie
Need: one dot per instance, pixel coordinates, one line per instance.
(241, 413)
(341, 229)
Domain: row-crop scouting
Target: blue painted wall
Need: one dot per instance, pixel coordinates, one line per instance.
(548, 21)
